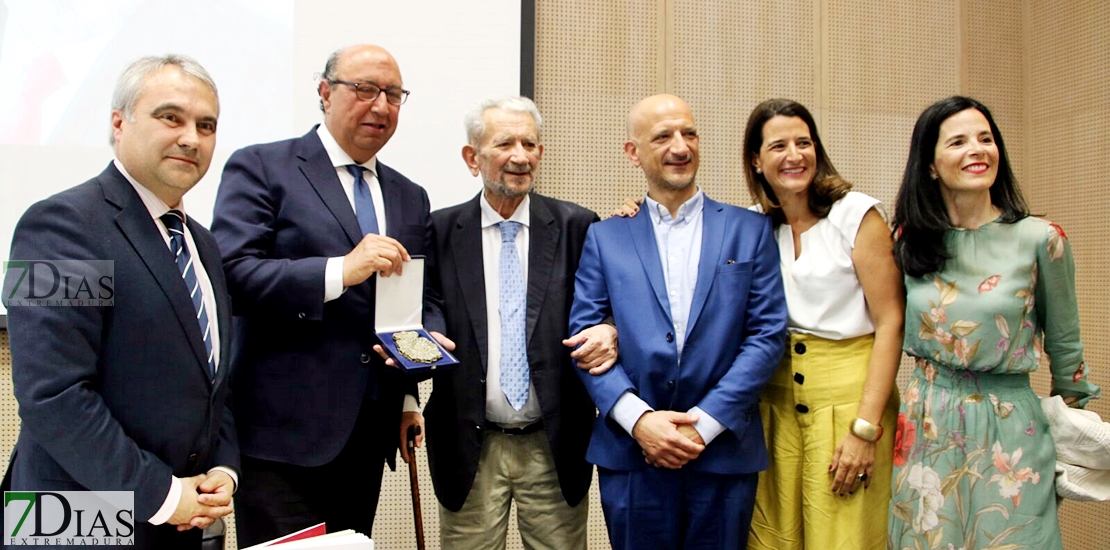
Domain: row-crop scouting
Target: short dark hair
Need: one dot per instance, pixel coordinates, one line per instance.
(329, 72)
(920, 216)
(827, 187)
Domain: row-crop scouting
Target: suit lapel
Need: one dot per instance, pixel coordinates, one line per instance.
(712, 235)
(643, 239)
(317, 169)
(141, 231)
(541, 258)
(393, 199)
(466, 238)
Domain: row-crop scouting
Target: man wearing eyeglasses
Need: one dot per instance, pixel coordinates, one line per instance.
(302, 225)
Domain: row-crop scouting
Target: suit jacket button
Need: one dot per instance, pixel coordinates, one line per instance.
(482, 381)
(670, 337)
(799, 348)
(300, 315)
(192, 457)
(670, 383)
(801, 408)
(364, 358)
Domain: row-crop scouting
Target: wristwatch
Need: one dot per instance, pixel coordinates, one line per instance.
(866, 430)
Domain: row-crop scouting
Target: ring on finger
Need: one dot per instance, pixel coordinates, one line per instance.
(862, 477)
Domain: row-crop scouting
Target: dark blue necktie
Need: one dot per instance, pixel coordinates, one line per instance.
(174, 221)
(514, 355)
(364, 204)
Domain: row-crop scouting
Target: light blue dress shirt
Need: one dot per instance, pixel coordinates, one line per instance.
(678, 239)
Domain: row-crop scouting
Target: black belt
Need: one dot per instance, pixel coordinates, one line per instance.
(523, 430)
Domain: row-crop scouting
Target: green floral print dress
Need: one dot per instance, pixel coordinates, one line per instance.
(974, 461)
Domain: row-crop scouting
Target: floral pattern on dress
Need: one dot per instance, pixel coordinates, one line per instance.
(974, 462)
(903, 440)
(1009, 477)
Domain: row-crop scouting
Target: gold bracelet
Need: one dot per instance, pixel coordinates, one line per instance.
(866, 430)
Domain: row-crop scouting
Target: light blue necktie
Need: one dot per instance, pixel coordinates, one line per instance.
(364, 204)
(514, 356)
(174, 221)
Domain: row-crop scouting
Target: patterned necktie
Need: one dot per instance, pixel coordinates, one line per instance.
(174, 221)
(364, 204)
(514, 356)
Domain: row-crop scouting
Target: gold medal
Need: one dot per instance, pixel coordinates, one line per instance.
(416, 348)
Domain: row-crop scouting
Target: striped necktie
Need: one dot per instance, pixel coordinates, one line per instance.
(174, 221)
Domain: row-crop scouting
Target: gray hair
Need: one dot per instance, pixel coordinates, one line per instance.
(329, 71)
(475, 120)
(130, 84)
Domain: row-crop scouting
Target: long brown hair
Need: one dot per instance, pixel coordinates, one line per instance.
(827, 187)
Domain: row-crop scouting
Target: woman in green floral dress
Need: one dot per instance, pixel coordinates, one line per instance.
(987, 289)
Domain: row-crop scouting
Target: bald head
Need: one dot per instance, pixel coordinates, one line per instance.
(360, 126)
(347, 52)
(647, 109)
(357, 52)
(663, 142)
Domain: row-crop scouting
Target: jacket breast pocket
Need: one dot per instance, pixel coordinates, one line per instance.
(733, 282)
(735, 267)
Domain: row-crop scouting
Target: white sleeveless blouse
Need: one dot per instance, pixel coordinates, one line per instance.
(823, 295)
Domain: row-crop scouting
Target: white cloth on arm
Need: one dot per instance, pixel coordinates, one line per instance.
(1082, 451)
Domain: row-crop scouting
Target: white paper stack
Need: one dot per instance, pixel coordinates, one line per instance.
(318, 537)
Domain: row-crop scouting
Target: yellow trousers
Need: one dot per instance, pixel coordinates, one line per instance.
(807, 408)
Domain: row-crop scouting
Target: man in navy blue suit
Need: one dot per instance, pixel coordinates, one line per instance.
(302, 225)
(693, 287)
(133, 396)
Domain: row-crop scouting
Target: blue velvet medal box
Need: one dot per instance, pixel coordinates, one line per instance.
(399, 306)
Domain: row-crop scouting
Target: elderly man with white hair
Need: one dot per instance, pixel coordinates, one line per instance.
(513, 421)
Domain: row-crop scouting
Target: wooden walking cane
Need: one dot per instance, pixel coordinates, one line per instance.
(414, 431)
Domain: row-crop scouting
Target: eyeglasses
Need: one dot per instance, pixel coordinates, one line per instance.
(369, 92)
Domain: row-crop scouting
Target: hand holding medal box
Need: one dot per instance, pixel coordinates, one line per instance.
(398, 316)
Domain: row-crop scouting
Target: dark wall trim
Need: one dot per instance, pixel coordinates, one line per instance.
(528, 48)
(3, 322)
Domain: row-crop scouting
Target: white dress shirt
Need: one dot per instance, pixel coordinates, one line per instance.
(157, 208)
(498, 409)
(333, 271)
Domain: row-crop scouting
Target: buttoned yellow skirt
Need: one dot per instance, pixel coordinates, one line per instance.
(807, 408)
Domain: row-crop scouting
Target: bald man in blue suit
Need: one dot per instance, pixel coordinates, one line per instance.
(693, 286)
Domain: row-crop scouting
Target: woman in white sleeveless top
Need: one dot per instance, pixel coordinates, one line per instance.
(830, 408)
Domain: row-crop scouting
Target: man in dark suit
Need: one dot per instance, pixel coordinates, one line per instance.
(302, 225)
(693, 286)
(133, 396)
(512, 422)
